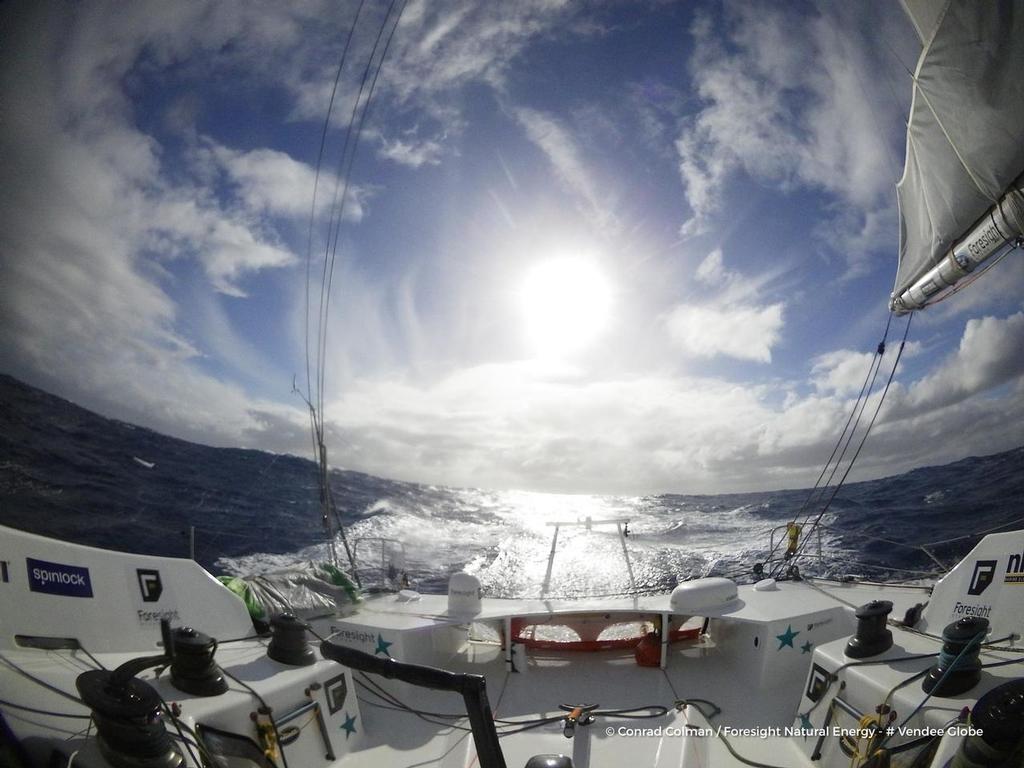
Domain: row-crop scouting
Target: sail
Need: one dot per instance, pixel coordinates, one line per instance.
(960, 198)
(924, 15)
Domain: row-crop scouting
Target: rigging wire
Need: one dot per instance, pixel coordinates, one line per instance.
(316, 184)
(858, 406)
(314, 397)
(867, 432)
(346, 173)
(858, 410)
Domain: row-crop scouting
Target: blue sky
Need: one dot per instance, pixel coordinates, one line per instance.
(607, 247)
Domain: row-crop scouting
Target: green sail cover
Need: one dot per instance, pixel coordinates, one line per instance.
(314, 589)
(241, 588)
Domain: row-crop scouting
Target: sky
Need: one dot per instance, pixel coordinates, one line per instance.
(604, 247)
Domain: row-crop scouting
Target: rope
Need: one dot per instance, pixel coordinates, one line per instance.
(943, 657)
(47, 712)
(722, 736)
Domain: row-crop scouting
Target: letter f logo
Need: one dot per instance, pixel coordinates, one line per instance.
(984, 571)
(149, 584)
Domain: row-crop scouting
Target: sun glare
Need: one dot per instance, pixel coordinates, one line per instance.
(566, 303)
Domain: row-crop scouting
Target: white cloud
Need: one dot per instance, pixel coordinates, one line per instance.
(269, 181)
(989, 355)
(526, 425)
(522, 425)
(788, 124)
(746, 333)
(845, 371)
(228, 247)
(465, 41)
(94, 233)
(412, 152)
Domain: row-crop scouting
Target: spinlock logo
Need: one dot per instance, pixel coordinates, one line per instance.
(149, 584)
(58, 578)
(984, 572)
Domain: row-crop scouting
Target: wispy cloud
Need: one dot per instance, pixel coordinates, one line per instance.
(767, 114)
(566, 157)
(712, 271)
(448, 46)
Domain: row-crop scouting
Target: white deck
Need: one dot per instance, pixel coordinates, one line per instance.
(754, 663)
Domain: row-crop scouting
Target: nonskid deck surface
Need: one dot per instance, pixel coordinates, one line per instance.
(611, 679)
(757, 724)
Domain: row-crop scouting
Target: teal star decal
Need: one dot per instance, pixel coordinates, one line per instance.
(805, 723)
(786, 638)
(349, 726)
(806, 647)
(382, 646)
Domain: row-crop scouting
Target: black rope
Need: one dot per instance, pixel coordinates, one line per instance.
(721, 734)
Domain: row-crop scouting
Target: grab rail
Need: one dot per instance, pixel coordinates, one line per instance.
(473, 689)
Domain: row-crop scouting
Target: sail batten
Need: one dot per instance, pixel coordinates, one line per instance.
(965, 149)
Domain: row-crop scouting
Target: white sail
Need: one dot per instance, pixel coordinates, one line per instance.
(960, 196)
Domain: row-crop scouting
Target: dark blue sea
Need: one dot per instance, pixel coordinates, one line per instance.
(71, 474)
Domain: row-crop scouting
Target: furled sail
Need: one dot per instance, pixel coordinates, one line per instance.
(961, 199)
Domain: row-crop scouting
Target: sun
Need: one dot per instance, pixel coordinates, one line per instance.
(566, 305)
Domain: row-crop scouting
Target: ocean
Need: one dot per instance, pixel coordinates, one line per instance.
(69, 473)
